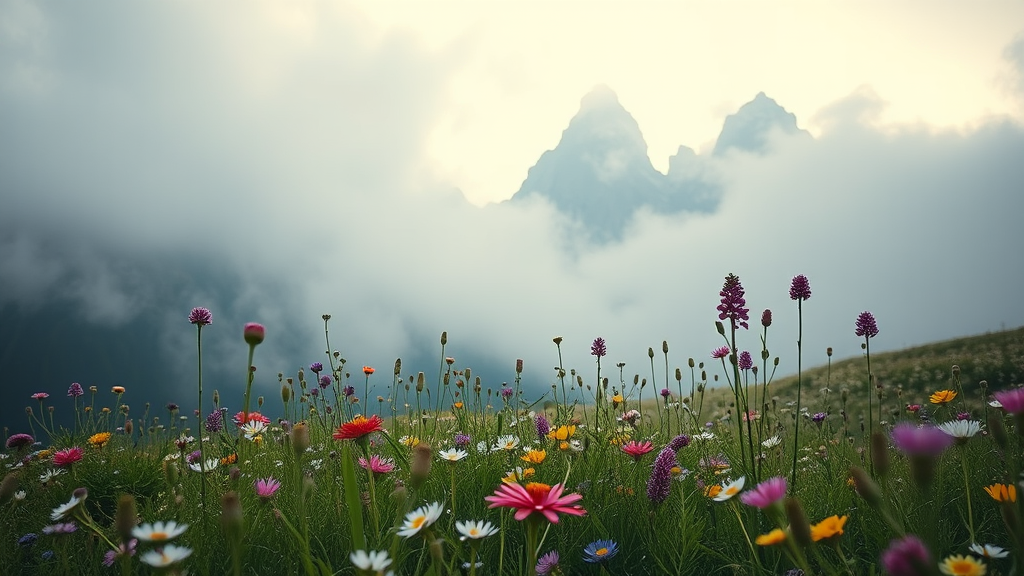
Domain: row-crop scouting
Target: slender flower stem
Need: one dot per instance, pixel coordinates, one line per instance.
(799, 387)
(967, 491)
(202, 477)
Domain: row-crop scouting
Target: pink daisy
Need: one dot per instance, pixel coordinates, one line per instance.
(536, 497)
(637, 449)
(766, 493)
(67, 457)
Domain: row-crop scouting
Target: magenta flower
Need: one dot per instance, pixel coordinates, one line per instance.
(766, 493)
(542, 425)
(637, 449)
(1012, 400)
(721, 352)
(316, 367)
(325, 381)
(800, 289)
(659, 485)
(665, 392)
(746, 362)
(67, 457)
(542, 499)
(40, 396)
(679, 442)
(766, 318)
(200, 317)
(547, 563)
(732, 306)
(253, 333)
(907, 556)
(75, 390)
(866, 325)
(598, 348)
(266, 488)
(122, 550)
(924, 440)
(506, 393)
(377, 465)
(20, 441)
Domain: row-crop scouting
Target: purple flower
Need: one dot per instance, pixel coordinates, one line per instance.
(27, 540)
(200, 317)
(547, 563)
(462, 440)
(75, 390)
(253, 333)
(316, 367)
(746, 362)
(194, 457)
(925, 440)
(543, 426)
(907, 556)
(800, 289)
(506, 393)
(325, 381)
(963, 415)
(112, 555)
(659, 484)
(60, 528)
(1012, 400)
(721, 352)
(214, 422)
(598, 348)
(20, 441)
(732, 306)
(819, 417)
(172, 407)
(314, 392)
(866, 325)
(679, 442)
(766, 318)
(766, 493)
(348, 390)
(665, 392)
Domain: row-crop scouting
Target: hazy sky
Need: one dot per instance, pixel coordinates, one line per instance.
(342, 152)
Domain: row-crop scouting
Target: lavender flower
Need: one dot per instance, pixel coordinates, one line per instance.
(543, 426)
(924, 440)
(732, 306)
(348, 390)
(20, 441)
(800, 289)
(316, 367)
(907, 556)
(506, 393)
(325, 381)
(660, 483)
(547, 563)
(598, 348)
(214, 422)
(766, 318)
(200, 317)
(679, 442)
(866, 325)
(75, 390)
(123, 550)
(746, 362)
(60, 528)
(462, 440)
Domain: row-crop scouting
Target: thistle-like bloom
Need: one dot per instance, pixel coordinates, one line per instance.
(636, 449)
(766, 318)
(1002, 492)
(419, 519)
(214, 422)
(766, 493)
(359, 427)
(20, 441)
(960, 565)
(475, 529)
(925, 440)
(536, 498)
(200, 317)
(75, 390)
(733, 304)
(679, 442)
(745, 361)
(325, 382)
(827, 528)
(598, 348)
(159, 531)
(374, 561)
(543, 426)
(720, 352)
(942, 397)
(40, 396)
(907, 556)
(166, 556)
(983, 550)
(377, 465)
(772, 538)
(866, 325)
(316, 368)
(67, 457)
(462, 440)
(253, 333)
(507, 392)
(659, 485)
(452, 454)
(1011, 400)
(241, 418)
(266, 488)
(800, 289)
(547, 563)
(731, 489)
(600, 551)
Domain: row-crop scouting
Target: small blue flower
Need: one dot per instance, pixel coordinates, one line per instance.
(27, 540)
(600, 551)
(48, 555)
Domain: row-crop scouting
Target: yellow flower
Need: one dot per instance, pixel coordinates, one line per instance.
(535, 456)
(617, 399)
(827, 528)
(231, 458)
(457, 405)
(562, 432)
(619, 440)
(518, 474)
(772, 538)
(99, 439)
(563, 445)
(44, 454)
(409, 441)
(712, 491)
(943, 397)
(1002, 492)
(962, 566)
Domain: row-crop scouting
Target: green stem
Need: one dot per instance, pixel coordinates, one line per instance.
(799, 387)
(199, 432)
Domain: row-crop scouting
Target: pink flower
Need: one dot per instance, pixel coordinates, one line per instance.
(720, 352)
(253, 333)
(1012, 400)
(377, 465)
(908, 556)
(200, 316)
(266, 488)
(766, 493)
(536, 497)
(241, 418)
(926, 440)
(637, 449)
(40, 396)
(67, 457)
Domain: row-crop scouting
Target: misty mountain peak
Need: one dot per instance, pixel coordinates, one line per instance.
(750, 127)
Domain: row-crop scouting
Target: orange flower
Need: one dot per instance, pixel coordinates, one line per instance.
(367, 370)
(1002, 492)
(229, 460)
(827, 528)
(772, 538)
(359, 427)
(117, 389)
(712, 491)
(942, 397)
(99, 439)
(562, 432)
(535, 456)
(457, 405)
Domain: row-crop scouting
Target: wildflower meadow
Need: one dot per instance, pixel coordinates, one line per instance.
(709, 467)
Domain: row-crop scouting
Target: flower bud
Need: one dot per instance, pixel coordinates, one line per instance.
(519, 365)
(444, 338)
(798, 524)
(286, 393)
(689, 362)
(650, 353)
(664, 346)
(398, 366)
(879, 453)
(124, 518)
(419, 382)
(866, 487)
(231, 515)
(253, 333)
(420, 467)
(170, 472)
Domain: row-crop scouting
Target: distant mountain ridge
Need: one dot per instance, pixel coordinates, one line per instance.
(599, 174)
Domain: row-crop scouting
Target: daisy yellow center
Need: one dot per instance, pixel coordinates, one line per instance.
(418, 521)
(731, 490)
(601, 551)
(538, 489)
(158, 536)
(474, 532)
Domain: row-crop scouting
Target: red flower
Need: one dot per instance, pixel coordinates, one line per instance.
(359, 426)
(367, 370)
(241, 418)
(637, 449)
(536, 497)
(67, 457)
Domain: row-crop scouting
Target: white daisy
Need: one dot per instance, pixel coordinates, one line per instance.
(420, 518)
(253, 428)
(961, 429)
(50, 474)
(731, 489)
(475, 529)
(209, 466)
(452, 454)
(374, 560)
(770, 442)
(159, 531)
(507, 442)
(64, 510)
(989, 551)
(705, 435)
(482, 447)
(166, 556)
(19, 496)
